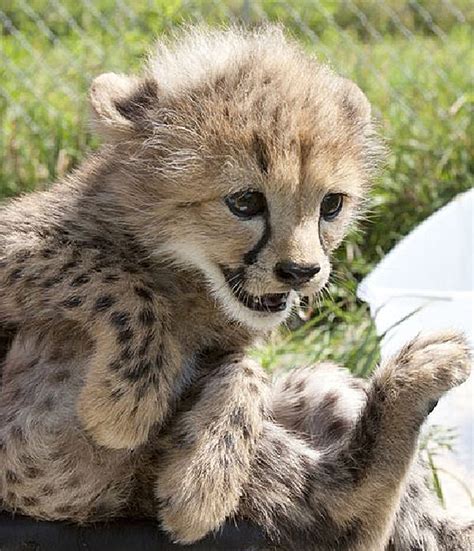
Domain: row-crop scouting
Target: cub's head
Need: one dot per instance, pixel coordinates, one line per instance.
(240, 157)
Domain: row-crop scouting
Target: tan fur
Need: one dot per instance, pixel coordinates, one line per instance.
(127, 388)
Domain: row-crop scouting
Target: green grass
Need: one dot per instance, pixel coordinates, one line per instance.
(414, 69)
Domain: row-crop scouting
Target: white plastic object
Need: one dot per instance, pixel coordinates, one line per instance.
(426, 283)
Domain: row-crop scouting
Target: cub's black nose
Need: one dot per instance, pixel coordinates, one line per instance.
(295, 274)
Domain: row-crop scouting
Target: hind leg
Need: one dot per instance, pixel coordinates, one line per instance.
(322, 403)
(49, 466)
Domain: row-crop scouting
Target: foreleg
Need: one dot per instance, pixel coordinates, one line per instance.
(209, 449)
(134, 361)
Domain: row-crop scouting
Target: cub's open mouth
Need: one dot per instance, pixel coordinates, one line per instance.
(270, 303)
(273, 302)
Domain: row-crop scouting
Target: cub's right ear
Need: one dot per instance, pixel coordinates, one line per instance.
(120, 104)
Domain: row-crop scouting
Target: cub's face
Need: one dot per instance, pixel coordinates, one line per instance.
(251, 178)
(262, 233)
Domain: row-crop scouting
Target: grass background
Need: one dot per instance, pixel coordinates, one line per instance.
(412, 58)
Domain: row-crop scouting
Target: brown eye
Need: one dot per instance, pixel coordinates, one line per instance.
(331, 206)
(246, 204)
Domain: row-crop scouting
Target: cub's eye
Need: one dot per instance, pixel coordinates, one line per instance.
(331, 206)
(246, 204)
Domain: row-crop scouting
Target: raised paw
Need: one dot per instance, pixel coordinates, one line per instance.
(431, 365)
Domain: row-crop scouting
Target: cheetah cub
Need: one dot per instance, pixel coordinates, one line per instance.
(131, 291)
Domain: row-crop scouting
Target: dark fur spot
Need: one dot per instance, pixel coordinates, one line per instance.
(117, 393)
(47, 490)
(262, 154)
(125, 335)
(103, 303)
(48, 252)
(51, 281)
(413, 491)
(159, 356)
(184, 438)
(147, 317)
(300, 404)
(33, 472)
(11, 477)
(111, 278)
(59, 376)
(138, 371)
(229, 442)
(17, 434)
(47, 404)
(248, 371)
(120, 319)
(237, 417)
(69, 265)
(145, 345)
(143, 293)
(126, 354)
(338, 428)
(101, 264)
(300, 386)
(131, 269)
(253, 388)
(64, 509)
(164, 502)
(30, 501)
(15, 275)
(80, 280)
(22, 256)
(17, 395)
(329, 401)
(116, 365)
(72, 302)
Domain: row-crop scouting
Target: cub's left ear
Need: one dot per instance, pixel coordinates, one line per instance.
(119, 104)
(355, 103)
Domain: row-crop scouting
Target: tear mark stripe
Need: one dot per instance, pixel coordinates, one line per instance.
(251, 256)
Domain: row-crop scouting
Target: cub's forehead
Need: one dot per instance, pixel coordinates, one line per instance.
(282, 104)
(222, 108)
(297, 119)
(283, 136)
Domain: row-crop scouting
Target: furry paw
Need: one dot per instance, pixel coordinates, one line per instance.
(429, 366)
(184, 523)
(194, 497)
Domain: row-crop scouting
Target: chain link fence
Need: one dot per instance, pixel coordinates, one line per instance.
(410, 56)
